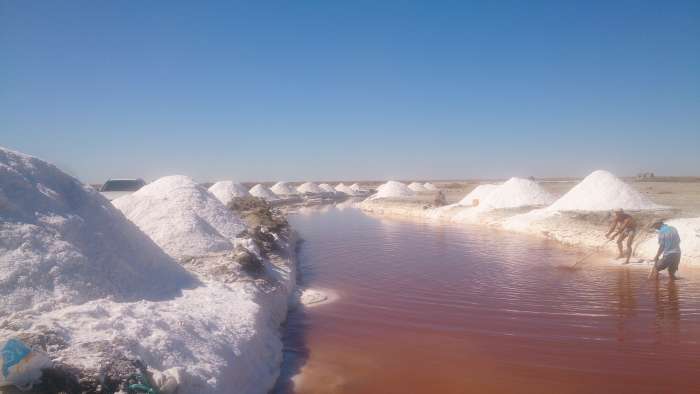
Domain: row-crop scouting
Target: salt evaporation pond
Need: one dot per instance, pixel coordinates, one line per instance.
(426, 308)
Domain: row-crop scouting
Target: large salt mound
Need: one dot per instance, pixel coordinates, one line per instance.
(430, 187)
(344, 189)
(355, 187)
(182, 217)
(393, 189)
(417, 187)
(284, 189)
(602, 191)
(479, 193)
(63, 242)
(310, 188)
(226, 191)
(261, 191)
(516, 193)
(327, 188)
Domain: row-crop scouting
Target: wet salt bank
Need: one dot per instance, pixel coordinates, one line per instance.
(453, 308)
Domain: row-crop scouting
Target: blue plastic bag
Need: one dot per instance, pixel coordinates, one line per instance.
(20, 365)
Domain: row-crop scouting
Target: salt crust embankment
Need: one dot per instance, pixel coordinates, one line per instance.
(75, 272)
(578, 219)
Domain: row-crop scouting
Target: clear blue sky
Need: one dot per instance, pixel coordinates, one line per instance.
(299, 90)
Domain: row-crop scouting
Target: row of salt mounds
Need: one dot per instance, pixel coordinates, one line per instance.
(603, 191)
(284, 189)
(226, 191)
(62, 242)
(479, 193)
(343, 188)
(263, 192)
(182, 217)
(327, 188)
(430, 187)
(417, 187)
(516, 193)
(393, 189)
(310, 188)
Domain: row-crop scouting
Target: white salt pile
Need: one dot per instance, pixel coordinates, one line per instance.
(417, 187)
(355, 187)
(310, 188)
(182, 217)
(284, 189)
(479, 193)
(226, 191)
(62, 242)
(327, 188)
(516, 193)
(342, 188)
(261, 191)
(430, 187)
(393, 189)
(602, 191)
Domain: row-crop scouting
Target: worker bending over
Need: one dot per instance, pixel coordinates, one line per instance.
(626, 229)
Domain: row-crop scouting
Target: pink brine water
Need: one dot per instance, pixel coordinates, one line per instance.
(446, 309)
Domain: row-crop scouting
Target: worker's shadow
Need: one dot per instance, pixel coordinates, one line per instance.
(295, 351)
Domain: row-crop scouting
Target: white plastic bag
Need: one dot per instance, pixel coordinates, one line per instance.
(20, 365)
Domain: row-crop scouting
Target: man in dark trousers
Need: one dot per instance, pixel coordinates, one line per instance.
(626, 229)
(669, 250)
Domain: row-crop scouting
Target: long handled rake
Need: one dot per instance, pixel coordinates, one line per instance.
(596, 250)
